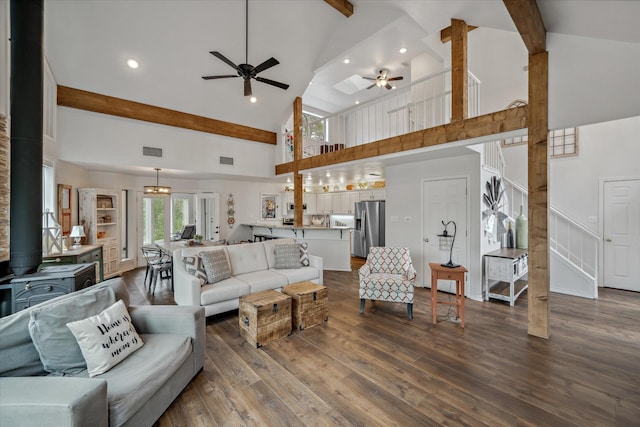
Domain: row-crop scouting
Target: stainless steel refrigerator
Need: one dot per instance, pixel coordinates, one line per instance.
(368, 228)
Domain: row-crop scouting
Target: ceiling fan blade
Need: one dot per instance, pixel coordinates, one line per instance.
(265, 65)
(395, 78)
(388, 86)
(369, 78)
(218, 77)
(273, 83)
(373, 85)
(247, 87)
(225, 59)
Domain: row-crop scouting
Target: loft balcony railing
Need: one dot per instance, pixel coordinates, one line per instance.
(424, 104)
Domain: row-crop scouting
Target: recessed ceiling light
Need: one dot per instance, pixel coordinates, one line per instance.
(132, 63)
(328, 174)
(393, 87)
(253, 99)
(403, 50)
(341, 179)
(357, 102)
(346, 60)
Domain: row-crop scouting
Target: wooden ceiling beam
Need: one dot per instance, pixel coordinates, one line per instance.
(488, 124)
(526, 15)
(445, 34)
(342, 6)
(90, 101)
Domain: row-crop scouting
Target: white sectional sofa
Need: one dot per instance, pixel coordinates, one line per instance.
(252, 268)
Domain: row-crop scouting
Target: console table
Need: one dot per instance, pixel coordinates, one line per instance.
(503, 271)
(82, 255)
(440, 272)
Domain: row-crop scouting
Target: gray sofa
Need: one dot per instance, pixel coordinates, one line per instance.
(252, 268)
(136, 392)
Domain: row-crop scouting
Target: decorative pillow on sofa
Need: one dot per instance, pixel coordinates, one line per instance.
(106, 339)
(56, 345)
(304, 256)
(216, 265)
(195, 267)
(287, 256)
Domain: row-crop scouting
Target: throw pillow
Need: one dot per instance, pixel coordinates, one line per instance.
(56, 345)
(106, 339)
(195, 267)
(216, 265)
(304, 256)
(287, 256)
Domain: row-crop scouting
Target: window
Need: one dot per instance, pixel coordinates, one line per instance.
(314, 126)
(562, 142)
(179, 212)
(152, 220)
(48, 188)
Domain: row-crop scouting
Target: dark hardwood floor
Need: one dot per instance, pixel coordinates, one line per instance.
(380, 369)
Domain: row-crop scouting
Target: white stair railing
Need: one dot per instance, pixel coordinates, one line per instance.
(567, 237)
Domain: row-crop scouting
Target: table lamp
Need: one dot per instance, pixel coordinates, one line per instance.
(77, 232)
(447, 241)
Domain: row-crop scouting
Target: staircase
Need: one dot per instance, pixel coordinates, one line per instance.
(573, 257)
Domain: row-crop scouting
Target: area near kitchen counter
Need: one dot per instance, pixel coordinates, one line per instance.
(333, 244)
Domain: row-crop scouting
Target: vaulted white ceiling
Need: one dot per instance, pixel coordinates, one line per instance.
(88, 42)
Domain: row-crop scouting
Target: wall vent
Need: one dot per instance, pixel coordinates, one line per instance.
(152, 151)
(226, 160)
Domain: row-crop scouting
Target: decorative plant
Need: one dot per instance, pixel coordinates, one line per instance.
(493, 198)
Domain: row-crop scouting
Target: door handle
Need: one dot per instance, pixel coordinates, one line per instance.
(608, 240)
(426, 240)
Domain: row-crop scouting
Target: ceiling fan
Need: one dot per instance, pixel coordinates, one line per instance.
(383, 79)
(246, 70)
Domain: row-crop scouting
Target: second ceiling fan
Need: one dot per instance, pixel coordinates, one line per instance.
(246, 70)
(383, 79)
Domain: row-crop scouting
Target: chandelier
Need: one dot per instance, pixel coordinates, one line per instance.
(157, 189)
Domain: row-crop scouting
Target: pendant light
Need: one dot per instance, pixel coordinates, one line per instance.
(157, 189)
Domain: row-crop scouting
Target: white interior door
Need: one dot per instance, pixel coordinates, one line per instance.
(622, 234)
(208, 215)
(444, 200)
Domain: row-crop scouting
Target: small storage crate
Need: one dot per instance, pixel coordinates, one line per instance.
(264, 317)
(310, 304)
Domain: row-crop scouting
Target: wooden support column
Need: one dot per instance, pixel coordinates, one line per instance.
(538, 292)
(297, 156)
(459, 79)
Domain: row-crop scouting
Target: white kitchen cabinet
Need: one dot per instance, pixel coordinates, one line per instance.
(377, 194)
(310, 200)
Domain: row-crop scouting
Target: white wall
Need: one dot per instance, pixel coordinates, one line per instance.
(591, 80)
(404, 198)
(92, 138)
(605, 150)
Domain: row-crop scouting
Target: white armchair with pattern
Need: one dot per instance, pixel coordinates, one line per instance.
(387, 275)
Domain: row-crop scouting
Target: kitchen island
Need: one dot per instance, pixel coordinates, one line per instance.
(333, 244)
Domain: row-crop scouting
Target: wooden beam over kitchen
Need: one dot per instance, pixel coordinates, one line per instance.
(342, 6)
(538, 177)
(488, 124)
(90, 101)
(526, 15)
(297, 156)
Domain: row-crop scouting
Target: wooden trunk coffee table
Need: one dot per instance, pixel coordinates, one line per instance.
(310, 304)
(265, 316)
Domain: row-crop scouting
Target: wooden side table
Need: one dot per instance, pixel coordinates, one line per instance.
(438, 272)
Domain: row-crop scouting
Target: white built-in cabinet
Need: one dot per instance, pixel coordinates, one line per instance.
(376, 194)
(99, 212)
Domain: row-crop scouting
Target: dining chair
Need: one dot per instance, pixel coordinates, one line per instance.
(159, 264)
